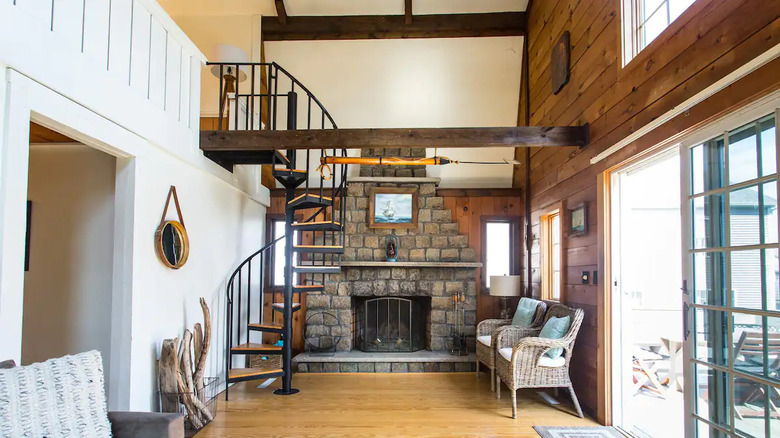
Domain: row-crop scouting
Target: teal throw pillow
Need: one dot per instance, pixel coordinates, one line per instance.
(524, 315)
(555, 328)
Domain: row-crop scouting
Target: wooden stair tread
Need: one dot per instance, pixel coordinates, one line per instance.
(238, 373)
(319, 246)
(284, 169)
(298, 224)
(281, 306)
(266, 326)
(308, 287)
(310, 195)
(255, 346)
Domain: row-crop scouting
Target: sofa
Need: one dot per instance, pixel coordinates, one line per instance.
(65, 397)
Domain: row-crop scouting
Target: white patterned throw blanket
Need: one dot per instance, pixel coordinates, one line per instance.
(61, 397)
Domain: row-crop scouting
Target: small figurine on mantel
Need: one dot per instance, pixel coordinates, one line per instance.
(391, 249)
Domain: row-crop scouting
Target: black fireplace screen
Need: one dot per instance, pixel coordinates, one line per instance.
(390, 324)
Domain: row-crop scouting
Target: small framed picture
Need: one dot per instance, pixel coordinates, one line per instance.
(578, 219)
(390, 207)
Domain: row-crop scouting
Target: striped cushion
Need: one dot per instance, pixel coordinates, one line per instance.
(61, 397)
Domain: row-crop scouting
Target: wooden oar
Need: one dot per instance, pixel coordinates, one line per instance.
(396, 161)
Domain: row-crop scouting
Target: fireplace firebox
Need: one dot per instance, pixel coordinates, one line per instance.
(391, 324)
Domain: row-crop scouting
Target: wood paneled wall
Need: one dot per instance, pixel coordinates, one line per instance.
(468, 207)
(707, 42)
(468, 212)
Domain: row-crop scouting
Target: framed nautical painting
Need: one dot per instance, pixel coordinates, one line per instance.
(392, 207)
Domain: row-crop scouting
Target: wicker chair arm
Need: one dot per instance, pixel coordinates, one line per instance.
(487, 326)
(508, 336)
(542, 342)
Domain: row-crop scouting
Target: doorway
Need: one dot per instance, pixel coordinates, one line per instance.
(647, 314)
(68, 281)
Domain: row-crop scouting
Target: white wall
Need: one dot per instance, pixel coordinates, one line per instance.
(416, 83)
(56, 83)
(224, 226)
(67, 290)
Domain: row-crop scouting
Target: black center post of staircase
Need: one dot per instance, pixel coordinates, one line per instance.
(287, 389)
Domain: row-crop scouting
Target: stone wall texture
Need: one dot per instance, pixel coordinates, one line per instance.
(435, 239)
(401, 171)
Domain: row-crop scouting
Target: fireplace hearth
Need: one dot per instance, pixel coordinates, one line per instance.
(391, 324)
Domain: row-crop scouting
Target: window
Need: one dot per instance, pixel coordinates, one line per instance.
(498, 248)
(551, 256)
(644, 20)
(277, 274)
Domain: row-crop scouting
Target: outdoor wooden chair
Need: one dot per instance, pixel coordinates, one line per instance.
(749, 358)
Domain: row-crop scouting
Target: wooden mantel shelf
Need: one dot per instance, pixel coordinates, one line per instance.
(372, 264)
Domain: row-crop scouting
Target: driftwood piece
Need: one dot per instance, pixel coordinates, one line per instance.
(181, 369)
(200, 359)
(197, 343)
(186, 387)
(167, 371)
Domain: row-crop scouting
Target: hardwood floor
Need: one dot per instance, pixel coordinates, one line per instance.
(384, 405)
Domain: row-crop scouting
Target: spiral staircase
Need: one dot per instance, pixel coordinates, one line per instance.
(264, 96)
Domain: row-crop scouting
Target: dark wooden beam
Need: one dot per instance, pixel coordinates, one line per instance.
(361, 27)
(407, 11)
(520, 136)
(281, 12)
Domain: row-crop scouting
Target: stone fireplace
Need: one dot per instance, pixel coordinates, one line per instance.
(434, 277)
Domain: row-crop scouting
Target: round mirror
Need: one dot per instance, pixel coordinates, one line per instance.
(173, 245)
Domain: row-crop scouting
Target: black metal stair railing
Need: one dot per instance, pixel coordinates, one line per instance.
(264, 96)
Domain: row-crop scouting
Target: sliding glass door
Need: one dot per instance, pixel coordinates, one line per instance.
(731, 296)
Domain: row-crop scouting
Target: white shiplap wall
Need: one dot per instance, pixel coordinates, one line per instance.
(124, 59)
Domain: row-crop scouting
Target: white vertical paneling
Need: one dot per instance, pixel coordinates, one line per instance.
(157, 66)
(173, 78)
(39, 9)
(121, 19)
(184, 95)
(68, 22)
(139, 55)
(96, 22)
(194, 107)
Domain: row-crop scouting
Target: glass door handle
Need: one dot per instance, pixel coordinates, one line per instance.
(686, 330)
(684, 288)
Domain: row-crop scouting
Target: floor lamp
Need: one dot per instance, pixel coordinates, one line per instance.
(504, 287)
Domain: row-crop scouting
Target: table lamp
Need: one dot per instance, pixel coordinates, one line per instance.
(505, 286)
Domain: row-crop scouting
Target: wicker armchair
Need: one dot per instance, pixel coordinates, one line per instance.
(523, 369)
(486, 354)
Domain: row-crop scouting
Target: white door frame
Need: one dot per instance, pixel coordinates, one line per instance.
(23, 100)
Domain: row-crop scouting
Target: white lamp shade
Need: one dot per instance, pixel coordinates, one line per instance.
(506, 285)
(229, 53)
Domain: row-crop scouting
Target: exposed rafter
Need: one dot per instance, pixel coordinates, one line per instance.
(407, 11)
(281, 12)
(394, 26)
(520, 136)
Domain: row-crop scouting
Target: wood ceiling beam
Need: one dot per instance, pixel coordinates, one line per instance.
(281, 12)
(407, 12)
(360, 27)
(520, 136)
